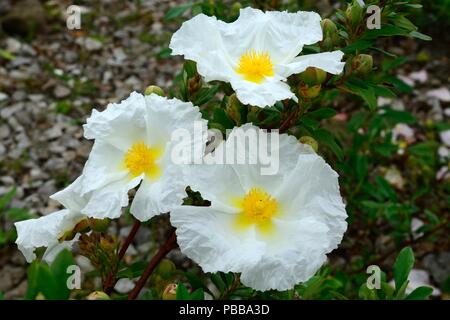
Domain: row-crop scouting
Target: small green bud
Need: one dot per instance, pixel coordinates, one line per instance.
(362, 64)
(218, 126)
(307, 92)
(99, 225)
(309, 141)
(235, 8)
(354, 14)
(98, 295)
(154, 89)
(40, 296)
(329, 28)
(312, 76)
(170, 292)
(234, 108)
(165, 268)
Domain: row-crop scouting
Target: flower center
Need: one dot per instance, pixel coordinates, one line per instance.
(257, 208)
(141, 158)
(255, 66)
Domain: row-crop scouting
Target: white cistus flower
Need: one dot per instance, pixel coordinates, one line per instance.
(273, 229)
(256, 53)
(49, 231)
(133, 145)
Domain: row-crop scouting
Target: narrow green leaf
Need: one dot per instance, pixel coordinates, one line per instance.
(402, 266)
(182, 292)
(420, 293)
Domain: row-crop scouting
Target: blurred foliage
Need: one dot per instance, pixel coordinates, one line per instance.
(10, 215)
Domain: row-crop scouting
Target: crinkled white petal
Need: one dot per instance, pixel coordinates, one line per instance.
(206, 236)
(160, 197)
(45, 232)
(262, 94)
(200, 40)
(327, 61)
(311, 222)
(119, 123)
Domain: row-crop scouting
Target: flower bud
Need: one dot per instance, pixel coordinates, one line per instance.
(98, 295)
(154, 89)
(354, 14)
(99, 225)
(362, 64)
(312, 76)
(165, 268)
(170, 292)
(309, 141)
(234, 108)
(82, 226)
(218, 126)
(329, 28)
(307, 92)
(235, 8)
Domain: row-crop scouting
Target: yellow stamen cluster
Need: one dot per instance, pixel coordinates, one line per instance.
(255, 66)
(257, 208)
(142, 159)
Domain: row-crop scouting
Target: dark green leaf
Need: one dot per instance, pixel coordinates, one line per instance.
(420, 293)
(175, 12)
(182, 292)
(402, 266)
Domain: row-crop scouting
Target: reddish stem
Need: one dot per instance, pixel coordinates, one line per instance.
(170, 244)
(111, 280)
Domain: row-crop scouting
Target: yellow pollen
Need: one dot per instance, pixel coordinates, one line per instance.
(142, 159)
(257, 208)
(255, 66)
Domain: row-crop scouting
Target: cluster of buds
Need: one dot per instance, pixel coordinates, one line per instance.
(101, 249)
(84, 226)
(354, 14)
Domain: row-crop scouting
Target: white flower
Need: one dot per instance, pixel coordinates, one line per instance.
(256, 53)
(133, 145)
(48, 231)
(275, 230)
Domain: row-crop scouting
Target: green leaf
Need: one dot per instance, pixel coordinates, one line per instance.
(205, 94)
(326, 138)
(322, 113)
(175, 12)
(196, 282)
(59, 272)
(421, 36)
(218, 282)
(7, 55)
(164, 53)
(365, 92)
(182, 292)
(198, 295)
(385, 31)
(7, 198)
(358, 45)
(420, 293)
(402, 266)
